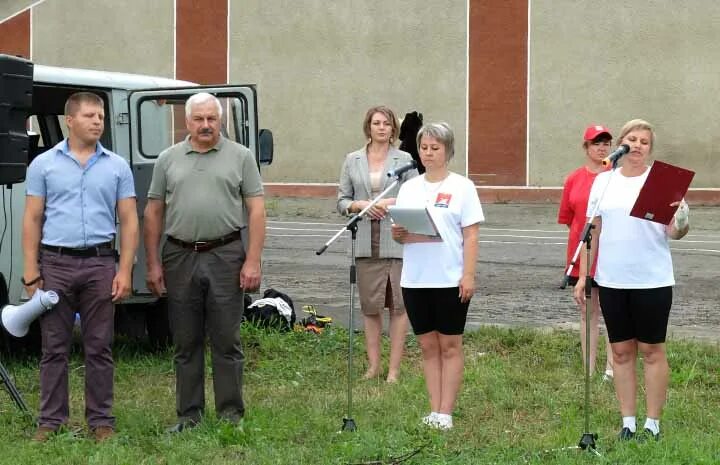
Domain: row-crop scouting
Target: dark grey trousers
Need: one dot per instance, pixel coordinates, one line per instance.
(205, 298)
(84, 286)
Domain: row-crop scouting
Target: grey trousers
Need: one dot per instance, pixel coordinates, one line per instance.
(84, 286)
(205, 298)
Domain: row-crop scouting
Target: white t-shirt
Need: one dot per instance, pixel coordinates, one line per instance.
(453, 204)
(634, 253)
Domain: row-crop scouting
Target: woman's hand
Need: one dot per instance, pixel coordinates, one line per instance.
(399, 234)
(682, 215)
(579, 292)
(402, 236)
(680, 224)
(376, 212)
(467, 288)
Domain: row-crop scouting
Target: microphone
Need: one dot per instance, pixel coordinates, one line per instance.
(398, 171)
(615, 156)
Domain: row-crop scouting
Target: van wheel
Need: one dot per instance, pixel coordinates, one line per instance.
(158, 325)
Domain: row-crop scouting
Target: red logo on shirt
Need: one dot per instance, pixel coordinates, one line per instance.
(443, 200)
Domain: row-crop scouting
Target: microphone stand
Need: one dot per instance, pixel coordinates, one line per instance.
(351, 225)
(587, 440)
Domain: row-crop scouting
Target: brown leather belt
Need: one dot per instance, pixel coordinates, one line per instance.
(100, 250)
(204, 246)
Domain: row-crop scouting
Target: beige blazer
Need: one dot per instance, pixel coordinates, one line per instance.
(355, 185)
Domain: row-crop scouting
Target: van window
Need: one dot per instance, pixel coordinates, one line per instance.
(162, 123)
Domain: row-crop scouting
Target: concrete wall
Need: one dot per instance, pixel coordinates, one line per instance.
(132, 36)
(612, 61)
(320, 65)
(11, 7)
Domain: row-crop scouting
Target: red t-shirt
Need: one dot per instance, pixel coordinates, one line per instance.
(573, 211)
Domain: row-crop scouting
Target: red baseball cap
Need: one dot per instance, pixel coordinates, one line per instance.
(595, 130)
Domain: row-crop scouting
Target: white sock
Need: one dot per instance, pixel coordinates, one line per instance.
(629, 423)
(653, 425)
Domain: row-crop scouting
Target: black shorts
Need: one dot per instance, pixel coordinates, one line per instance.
(435, 309)
(572, 281)
(640, 314)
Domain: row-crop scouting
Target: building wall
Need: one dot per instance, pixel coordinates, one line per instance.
(612, 61)
(10, 8)
(15, 35)
(132, 36)
(320, 65)
(539, 72)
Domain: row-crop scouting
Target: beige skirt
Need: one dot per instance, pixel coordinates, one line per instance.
(378, 282)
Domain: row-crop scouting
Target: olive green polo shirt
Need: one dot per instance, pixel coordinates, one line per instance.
(203, 192)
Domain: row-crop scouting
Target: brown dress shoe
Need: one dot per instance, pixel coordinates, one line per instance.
(43, 433)
(103, 433)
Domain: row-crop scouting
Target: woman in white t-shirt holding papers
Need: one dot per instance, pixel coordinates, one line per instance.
(438, 275)
(635, 275)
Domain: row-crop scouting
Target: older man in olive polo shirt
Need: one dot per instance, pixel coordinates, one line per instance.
(198, 189)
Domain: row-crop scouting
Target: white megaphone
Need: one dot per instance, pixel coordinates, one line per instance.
(17, 318)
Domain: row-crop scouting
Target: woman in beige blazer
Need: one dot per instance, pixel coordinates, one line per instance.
(379, 258)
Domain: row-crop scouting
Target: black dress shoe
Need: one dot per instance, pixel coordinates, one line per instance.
(625, 434)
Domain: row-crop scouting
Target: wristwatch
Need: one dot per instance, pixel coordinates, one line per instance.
(31, 282)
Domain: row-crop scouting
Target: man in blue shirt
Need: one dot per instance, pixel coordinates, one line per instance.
(73, 193)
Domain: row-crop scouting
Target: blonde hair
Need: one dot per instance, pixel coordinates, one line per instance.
(443, 133)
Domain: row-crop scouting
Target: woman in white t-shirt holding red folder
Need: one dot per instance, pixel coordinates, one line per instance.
(635, 277)
(438, 275)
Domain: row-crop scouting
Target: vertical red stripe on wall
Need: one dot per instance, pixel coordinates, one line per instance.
(497, 126)
(15, 35)
(201, 41)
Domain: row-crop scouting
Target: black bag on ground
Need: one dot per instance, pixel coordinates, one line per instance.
(275, 310)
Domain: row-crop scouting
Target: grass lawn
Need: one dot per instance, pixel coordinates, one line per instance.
(522, 399)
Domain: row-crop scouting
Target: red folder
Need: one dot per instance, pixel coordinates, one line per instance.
(664, 185)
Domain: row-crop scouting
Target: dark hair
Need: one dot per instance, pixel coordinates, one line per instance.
(388, 114)
(602, 137)
(72, 104)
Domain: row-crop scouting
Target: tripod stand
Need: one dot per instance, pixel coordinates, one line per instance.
(351, 225)
(12, 390)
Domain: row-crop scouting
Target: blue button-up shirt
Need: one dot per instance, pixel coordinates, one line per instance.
(80, 201)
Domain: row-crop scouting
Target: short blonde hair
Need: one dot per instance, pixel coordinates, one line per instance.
(634, 125)
(443, 133)
(73, 103)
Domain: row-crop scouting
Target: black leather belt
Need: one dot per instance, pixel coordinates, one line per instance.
(204, 246)
(100, 250)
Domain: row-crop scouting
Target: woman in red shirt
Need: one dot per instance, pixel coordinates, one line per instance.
(573, 210)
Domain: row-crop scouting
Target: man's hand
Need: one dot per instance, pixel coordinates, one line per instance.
(250, 276)
(30, 290)
(155, 279)
(121, 286)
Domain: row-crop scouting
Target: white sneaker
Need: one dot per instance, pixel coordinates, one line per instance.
(444, 421)
(431, 420)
